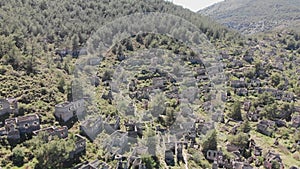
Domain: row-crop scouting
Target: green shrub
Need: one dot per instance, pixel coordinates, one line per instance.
(18, 156)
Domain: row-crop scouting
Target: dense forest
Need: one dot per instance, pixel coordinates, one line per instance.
(42, 42)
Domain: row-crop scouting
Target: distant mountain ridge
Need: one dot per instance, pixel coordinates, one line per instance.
(252, 16)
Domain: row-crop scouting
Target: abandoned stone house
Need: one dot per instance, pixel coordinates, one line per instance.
(202, 78)
(179, 154)
(237, 63)
(60, 132)
(134, 160)
(109, 128)
(140, 95)
(117, 142)
(223, 97)
(132, 86)
(93, 61)
(80, 146)
(160, 130)
(108, 95)
(139, 150)
(92, 127)
(270, 157)
(296, 121)
(169, 158)
(232, 148)
(134, 130)
(249, 57)
(74, 53)
(191, 138)
(8, 106)
(2, 131)
(288, 97)
(204, 127)
(68, 110)
(253, 116)
(122, 165)
(130, 109)
(266, 127)
(207, 106)
(137, 163)
(11, 131)
(241, 165)
(278, 94)
(280, 123)
(200, 71)
(262, 90)
(247, 106)
(255, 83)
(15, 127)
(217, 156)
(28, 124)
(257, 151)
(238, 84)
(297, 108)
(93, 165)
(278, 65)
(241, 91)
(159, 83)
(112, 126)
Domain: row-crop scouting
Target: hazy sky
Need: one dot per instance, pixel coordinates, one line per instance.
(195, 5)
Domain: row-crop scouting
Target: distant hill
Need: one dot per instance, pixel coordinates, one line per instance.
(251, 16)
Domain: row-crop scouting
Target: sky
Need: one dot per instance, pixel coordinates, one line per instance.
(195, 5)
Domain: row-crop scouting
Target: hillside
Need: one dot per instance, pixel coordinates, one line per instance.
(185, 93)
(253, 16)
(34, 38)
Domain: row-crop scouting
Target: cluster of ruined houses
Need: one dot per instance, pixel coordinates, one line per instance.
(96, 164)
(268, 127)
(173, 148)
(14, 128)
(159, 82)
(169, 85)
(242, 88)
(265, 127)
(91, 127)
(219, 160)
(173, 141)
(117, 144)
(238, 67)
(238, 162)
(74, 53)
(8, 106)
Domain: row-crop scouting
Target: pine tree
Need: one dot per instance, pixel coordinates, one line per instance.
(61, 85)
(52, 154)
(210, 143)
(246, 127)
(18, 156)
(236, 113)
